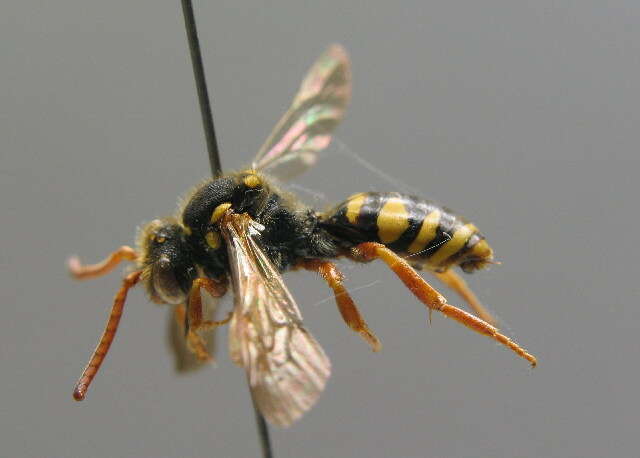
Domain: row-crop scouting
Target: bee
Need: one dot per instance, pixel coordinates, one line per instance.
(242, 229)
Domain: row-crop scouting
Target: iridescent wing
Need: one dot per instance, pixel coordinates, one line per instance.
(286, 367)
(306, 127)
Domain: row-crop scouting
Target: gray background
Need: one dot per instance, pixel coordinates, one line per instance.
(521, 115)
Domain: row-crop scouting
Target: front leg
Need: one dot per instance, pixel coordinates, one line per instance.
(193, 318)
(194, 341)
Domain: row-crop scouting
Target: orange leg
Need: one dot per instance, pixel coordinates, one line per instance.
(346, 306)
(193, 317)
(108, 335)
(431, 298)
(185, 359)
(457, 283)
(195, 342)
(82, 272)
(180, 314)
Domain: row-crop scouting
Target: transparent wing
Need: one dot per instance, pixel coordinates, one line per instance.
(286, 367)
(306, 127)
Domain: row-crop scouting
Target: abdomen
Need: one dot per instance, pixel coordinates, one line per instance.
(427, 234)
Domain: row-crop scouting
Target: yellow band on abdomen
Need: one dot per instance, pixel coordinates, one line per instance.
(427, 232)
(451, 247)
(354, 205)
(393, 220)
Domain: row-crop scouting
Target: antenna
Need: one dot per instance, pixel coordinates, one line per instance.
(214, 160)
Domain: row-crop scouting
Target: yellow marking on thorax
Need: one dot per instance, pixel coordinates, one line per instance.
(393, 220)
(187, 230)
(219, 211)
(252, 181)
(213, 239)
(354, 205)
(427, 232)
(453, 245)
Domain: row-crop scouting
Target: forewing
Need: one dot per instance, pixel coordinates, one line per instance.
(306, 127)
(286, 367)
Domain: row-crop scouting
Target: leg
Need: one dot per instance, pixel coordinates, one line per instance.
(195, 342)
(82, 272)
(193, 317)
(108, 335)
(180, 314)
(457, 283)
(430, 297)
(216, 289)
(346, 306)
(185, 359)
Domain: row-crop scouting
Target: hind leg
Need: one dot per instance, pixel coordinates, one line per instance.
(457, 283)
(369, 251)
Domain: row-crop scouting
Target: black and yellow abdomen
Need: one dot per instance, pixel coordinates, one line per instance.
(427, 234)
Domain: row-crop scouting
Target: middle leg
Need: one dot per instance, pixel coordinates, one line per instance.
(346, 306)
